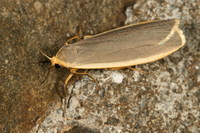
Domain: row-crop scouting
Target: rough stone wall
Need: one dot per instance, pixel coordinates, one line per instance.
(164, 100)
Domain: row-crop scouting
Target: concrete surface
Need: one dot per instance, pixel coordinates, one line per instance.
(28, 26)
(164, 100)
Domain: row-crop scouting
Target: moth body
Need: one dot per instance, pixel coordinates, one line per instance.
(122, 47)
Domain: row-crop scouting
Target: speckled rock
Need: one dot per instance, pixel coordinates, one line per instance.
(28, 26)
(166, 99)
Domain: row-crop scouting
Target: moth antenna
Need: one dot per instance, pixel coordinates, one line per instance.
(45, 55)
(46, 75)
(48, 69)
(44, 61)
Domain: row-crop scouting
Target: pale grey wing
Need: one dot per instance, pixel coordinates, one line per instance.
(125, 46)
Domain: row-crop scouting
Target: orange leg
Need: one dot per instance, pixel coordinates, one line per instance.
(70, 76)
(85, 73)
(78, 38)
(87, 36)
(73, 38)
(130, 68)
(73, 71)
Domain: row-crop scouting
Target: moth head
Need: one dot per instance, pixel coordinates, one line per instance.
(54, 60)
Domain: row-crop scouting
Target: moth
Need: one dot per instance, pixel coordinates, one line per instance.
(121, 47)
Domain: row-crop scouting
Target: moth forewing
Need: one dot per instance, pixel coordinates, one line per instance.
(125, 46)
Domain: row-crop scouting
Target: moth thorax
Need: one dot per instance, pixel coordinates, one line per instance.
(54, 60)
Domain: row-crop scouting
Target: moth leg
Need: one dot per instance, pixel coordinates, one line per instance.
(66, 101)
(130, 68)
(72, 73)
(73, 38)
(80, 34)
(85, 73)
(87, 36)
(69, 76)
(77, 37)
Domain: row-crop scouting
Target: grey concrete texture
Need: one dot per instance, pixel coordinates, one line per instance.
(28, 26)
(165, 99)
